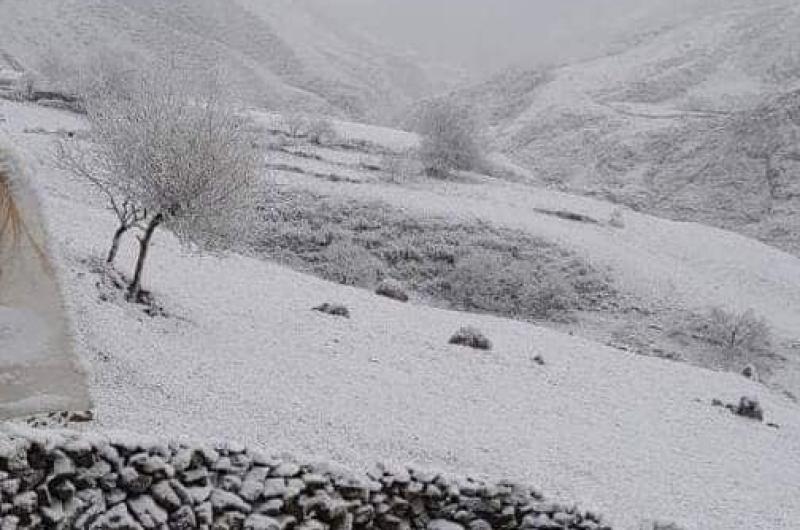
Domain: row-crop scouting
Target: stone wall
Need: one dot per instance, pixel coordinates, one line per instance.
(69, 480)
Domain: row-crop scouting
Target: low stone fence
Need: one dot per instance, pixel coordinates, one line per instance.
(71, 480)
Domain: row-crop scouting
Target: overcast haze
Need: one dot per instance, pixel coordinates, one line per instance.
(487, 35)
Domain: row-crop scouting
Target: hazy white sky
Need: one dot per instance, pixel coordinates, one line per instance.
(485, 35)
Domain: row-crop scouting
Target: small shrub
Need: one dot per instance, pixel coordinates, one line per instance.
(337, 310)
(471, 338)
(487, 281)
(449, 139)
(392, 289)
(349, 264)
(320, 131)
(750, 408)
(740, 335)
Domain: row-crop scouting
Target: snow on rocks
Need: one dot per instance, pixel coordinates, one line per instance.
(71, 480)
(472, 338)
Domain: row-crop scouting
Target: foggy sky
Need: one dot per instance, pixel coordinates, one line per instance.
(487, 35)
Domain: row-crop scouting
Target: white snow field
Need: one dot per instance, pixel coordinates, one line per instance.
(242, 355)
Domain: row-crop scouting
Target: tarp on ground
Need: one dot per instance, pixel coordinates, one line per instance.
(39, 371)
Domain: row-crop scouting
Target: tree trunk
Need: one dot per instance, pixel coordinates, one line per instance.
(144, 245)
(112, 252)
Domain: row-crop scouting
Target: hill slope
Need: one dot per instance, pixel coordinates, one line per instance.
(635, 437)
(276, 53)
(671, 122)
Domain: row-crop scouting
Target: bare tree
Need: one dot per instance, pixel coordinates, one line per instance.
(449, 138)
(168, 156)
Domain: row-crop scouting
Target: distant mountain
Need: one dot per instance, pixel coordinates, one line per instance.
(677, 121)
(276, 53)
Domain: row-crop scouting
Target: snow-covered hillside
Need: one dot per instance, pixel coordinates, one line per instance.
(658, 123)
(240, 351)
(276, 54)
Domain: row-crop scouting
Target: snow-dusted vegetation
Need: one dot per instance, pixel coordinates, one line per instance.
(248, 229)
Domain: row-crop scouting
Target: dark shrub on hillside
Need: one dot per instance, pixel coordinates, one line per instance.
(471, 338)
(468, 266)
(741, 338)
(750, 408)
(392, 289)
(350, 264)
(489, 282)
(337, 310)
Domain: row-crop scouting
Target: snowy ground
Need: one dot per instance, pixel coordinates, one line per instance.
(243, 355)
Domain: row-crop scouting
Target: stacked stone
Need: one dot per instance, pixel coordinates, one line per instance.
(69, 481)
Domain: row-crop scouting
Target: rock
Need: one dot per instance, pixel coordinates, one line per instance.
(563, 519)
(186, 459)
(182, 492)
(157, 467)
(80, 416)
(750, 408)
(63, 466)
(750, 372)
(183, 519)
(253, 485)
(230, 483)
(223, 501)
(26, 502)
(108, 481)
(199, 494)
(363, 515)
(147, 512)
(337, 310)
(274, 487)
(270, 507)
(62, 490)
(116, 518)
(9, 522)
(229, 521)
(204, 514)
(311, 524)
(53, 514)
(95, 504)
(433, 491)
(538, 521)
(165, 496)
(223, 465)
(472, 338)
(116, 496)
(192, 477)
(479, 524)
(134, 482)
(392, 289)
(315, 480)
(261, 522)
(443, 524)
(286, 470)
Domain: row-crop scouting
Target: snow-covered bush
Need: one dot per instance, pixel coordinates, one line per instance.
(471, 337)
(449, 139)
(320, 131)
(350, 264)
(488, 282)
(739, 334)
(165, 154)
